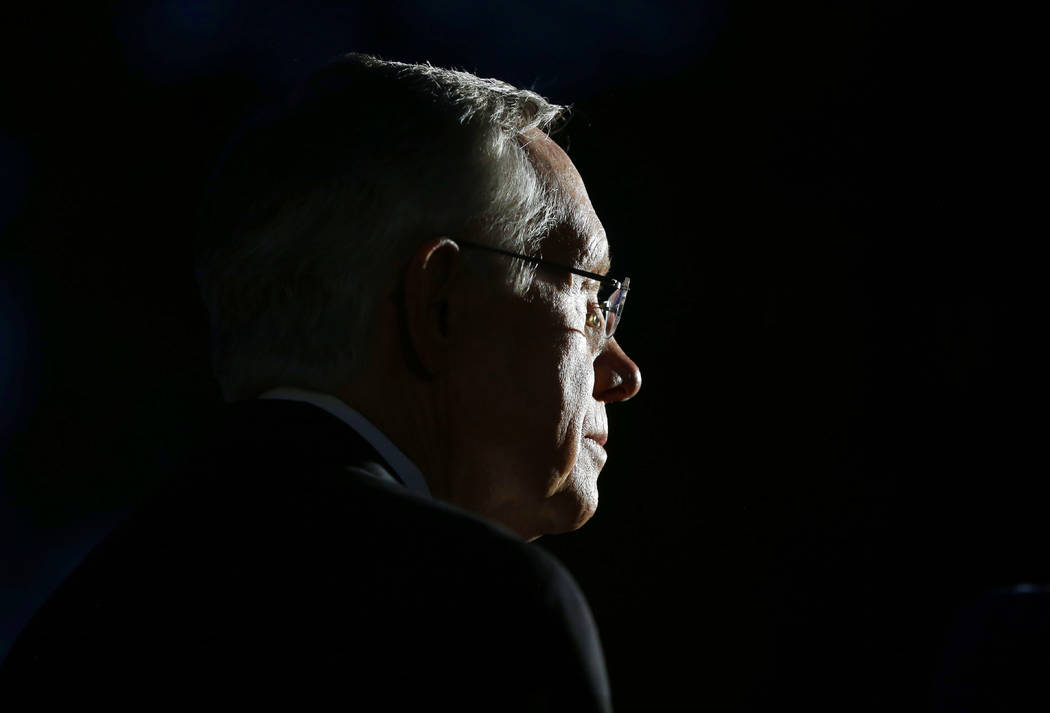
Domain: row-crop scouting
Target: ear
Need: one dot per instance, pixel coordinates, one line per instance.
(430, 279)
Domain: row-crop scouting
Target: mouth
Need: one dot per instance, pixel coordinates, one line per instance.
(599, 438)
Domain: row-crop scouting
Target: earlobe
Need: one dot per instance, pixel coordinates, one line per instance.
(428, 281)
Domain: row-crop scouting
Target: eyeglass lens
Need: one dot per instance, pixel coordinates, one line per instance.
(615, 301)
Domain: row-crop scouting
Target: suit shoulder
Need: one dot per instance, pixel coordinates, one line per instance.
(404, 523)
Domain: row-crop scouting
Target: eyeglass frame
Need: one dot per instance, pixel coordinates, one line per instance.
(604, 280)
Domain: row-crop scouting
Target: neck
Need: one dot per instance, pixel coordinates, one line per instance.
(407, 413)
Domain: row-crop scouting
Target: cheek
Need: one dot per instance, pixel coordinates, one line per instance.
(517, 391)
(526, 384)
(575, 380)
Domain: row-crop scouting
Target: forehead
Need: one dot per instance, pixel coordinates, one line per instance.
(579, 238)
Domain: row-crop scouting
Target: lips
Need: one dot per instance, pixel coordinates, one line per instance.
(599, 438)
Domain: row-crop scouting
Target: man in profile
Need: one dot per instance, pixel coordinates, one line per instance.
(413, 328)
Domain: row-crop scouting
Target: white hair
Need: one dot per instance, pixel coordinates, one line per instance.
(317, 205)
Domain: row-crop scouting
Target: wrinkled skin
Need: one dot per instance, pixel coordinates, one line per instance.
(492, 394)
(534, 380)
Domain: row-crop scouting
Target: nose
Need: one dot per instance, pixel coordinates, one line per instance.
(616, 376)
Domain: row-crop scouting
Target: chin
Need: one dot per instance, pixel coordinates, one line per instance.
(583, 518)
(574, 507)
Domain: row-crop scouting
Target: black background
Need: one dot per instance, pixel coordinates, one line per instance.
(828, 214)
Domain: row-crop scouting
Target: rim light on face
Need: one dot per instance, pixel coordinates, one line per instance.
(611, 307)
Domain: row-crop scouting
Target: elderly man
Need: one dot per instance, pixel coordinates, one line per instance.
(413, 326)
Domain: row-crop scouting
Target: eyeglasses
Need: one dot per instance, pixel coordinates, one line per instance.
(611, 295)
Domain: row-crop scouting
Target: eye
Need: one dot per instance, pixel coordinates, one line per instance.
(595, 318)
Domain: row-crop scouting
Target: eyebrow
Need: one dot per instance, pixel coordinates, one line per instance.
(601, 268)
(604, 266)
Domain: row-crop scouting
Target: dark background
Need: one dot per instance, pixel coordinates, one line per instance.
(827, 213)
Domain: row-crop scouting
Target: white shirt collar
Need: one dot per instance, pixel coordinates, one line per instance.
(406, 470)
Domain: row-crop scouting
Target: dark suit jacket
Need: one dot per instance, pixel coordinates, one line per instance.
(997, 657)
(271, 572)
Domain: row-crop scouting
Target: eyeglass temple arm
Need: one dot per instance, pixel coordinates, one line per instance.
(540, 261)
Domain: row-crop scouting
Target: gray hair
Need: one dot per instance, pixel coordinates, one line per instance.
(317, 205)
